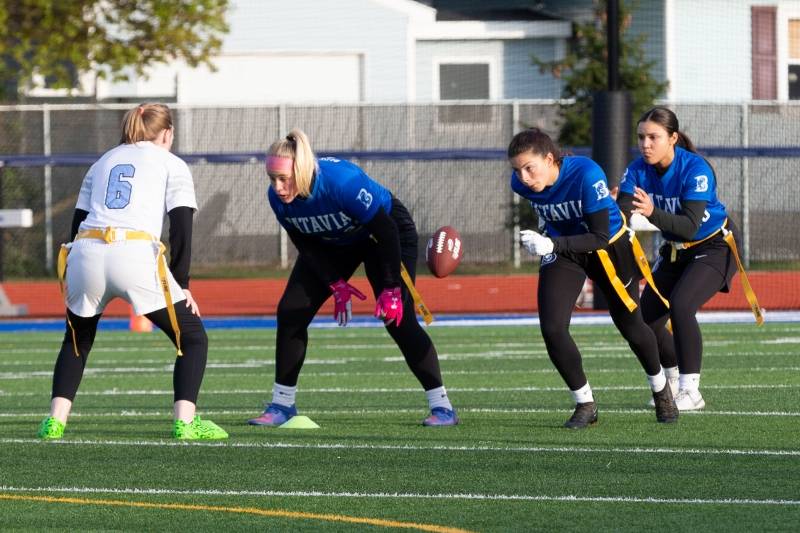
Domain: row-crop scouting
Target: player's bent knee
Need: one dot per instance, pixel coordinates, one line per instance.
(552, 330)
(195, 338)
(680, 308)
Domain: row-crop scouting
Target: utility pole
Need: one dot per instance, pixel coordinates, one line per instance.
(611, 118)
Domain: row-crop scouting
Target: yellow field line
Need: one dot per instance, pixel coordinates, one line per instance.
(242, 510)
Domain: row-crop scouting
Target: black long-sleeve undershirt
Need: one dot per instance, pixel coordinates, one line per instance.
(625, 203)
(595, 239)
(683, 224)
(77, 217)
(180, 244)
(384, 230)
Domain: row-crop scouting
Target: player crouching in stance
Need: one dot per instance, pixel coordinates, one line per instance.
(676, 189)
(338, 217)
(587, 237)
(116, 252)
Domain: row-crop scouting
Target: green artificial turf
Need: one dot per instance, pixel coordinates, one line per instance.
(509, 466)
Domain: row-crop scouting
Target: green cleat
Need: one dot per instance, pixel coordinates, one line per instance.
(198, 430)
(50, 428)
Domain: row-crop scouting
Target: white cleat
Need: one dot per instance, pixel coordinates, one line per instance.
(689, 400)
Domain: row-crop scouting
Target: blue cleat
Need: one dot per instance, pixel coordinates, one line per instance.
(441, 416)
(274, 415)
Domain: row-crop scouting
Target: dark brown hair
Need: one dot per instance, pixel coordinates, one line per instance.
(536, 141)
(669, 121)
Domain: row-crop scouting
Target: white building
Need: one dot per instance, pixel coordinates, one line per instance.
(318, 51)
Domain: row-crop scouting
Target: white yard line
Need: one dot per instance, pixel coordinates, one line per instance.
(160, 366)
(406, 495)
(311, 361)
(534, 346)
(134, 413)
(409, 390)
(408, 447)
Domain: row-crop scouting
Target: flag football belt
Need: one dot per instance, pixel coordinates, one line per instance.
(727, 236)
(418, 303)
(675, 246)
(110, 235)
(641, 262)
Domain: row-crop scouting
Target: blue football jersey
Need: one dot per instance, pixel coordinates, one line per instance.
(689, 177)
(343, 198)
(581, 188)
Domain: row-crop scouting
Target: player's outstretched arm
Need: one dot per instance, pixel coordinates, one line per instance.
(596, 238)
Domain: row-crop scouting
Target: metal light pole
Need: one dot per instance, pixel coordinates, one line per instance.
(611, 118)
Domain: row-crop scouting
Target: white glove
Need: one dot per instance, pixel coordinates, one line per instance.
(535, 243)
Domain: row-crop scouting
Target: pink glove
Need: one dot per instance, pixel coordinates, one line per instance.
(389, 306)
(342, 308)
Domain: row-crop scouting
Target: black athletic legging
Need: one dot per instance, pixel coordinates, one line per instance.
(305, 293)
(189, 368)
(560, 283)
(691, 280)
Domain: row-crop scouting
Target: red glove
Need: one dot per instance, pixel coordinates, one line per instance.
(342, 308)
(389, 306)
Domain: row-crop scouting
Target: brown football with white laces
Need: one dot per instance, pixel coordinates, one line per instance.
(444, 251)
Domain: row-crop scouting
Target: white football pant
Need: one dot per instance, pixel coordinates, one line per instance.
(98, 272)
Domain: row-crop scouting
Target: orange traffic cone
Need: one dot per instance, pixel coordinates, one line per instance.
(140, 323)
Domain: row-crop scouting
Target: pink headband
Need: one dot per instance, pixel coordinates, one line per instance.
(282, 165)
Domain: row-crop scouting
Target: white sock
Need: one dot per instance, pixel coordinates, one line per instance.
(657, 381)
(583, 395)
(690, 382)
(671, 372)
(438, 398)
(283, 395)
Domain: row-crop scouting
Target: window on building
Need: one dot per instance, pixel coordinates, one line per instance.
(764, 53)
(464, 81)
(793, 74)
(467, 81)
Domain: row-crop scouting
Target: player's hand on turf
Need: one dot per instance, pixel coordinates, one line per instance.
(642, 203)
(342, 307)
(535, 243)
(389, 306)
(190, 303)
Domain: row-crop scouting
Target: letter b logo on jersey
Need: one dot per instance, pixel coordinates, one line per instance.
(701, 183)
(601, 189)
(365, 198)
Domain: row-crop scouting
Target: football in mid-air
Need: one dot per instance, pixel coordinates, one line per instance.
(444, 251)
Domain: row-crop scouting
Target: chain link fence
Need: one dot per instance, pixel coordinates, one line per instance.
(235, 227)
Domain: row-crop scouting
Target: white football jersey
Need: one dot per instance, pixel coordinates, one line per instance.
(132, 186)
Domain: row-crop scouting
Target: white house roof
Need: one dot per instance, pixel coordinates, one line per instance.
(412, 8)
(479, 30)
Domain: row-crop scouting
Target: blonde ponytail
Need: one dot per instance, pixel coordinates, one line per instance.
(145, 122)
(296, 146)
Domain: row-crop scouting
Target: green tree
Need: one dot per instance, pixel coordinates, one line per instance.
(584, 71)
(58, 39)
